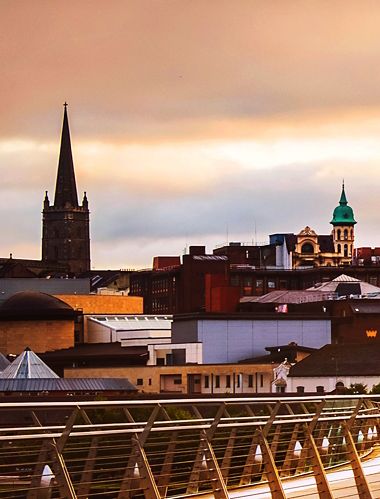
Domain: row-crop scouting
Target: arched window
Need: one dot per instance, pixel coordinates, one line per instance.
(307, 248)
(339, 233)
(345, 250)
(345, 234)
(339, 248)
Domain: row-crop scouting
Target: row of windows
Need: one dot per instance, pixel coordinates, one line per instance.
(345, 234)
(228, 379)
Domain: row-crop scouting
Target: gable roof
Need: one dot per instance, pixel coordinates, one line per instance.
(340, 360)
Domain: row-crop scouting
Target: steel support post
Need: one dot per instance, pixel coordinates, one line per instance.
(226, 463)
(290, 462)
(251, 464)
(35, 483)
(321, 481)
(149, 484)
(164, 478)
(305, 450)
(88, 470)
(135, 453)
(270, 468)
(62, 475)
(362, 486)
(214, 472)
(193, 485)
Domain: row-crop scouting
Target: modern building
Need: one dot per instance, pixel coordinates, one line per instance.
(66, 223)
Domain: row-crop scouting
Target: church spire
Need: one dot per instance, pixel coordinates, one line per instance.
(65, 189)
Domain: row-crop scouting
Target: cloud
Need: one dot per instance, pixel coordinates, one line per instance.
(189, 119)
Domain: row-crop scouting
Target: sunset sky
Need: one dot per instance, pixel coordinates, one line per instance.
(192, 121)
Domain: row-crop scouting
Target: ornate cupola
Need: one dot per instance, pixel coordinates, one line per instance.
(343, 222)
(66, 223)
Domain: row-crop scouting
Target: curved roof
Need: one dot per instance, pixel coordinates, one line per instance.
(343, 214)
(33, 304)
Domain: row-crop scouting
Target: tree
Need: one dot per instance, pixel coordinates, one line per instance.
(356, 389)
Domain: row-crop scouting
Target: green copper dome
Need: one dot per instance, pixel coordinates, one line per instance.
(343, 214)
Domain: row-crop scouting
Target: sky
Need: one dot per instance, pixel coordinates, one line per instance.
(192, 121)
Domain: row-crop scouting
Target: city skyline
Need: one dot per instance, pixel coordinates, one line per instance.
(191, 122)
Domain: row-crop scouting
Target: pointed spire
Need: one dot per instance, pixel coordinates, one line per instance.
(65, 190)
(343, 199)
(46, 200)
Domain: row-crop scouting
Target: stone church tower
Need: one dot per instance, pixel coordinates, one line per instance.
(66, 224)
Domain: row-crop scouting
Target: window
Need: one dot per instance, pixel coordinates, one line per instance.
(339, 232)
(247, 281)
(217, 381)
(300, 389)
(177, 380)
(139, 382)
(207, 381)
(235, 280)
(271, 285)
(228, 381)
(320, 389)
(160, 361)
(150, 382)
(339, 248)
(261, 380)
(259, 283)
(250, 380)
(238, 380)
(280, 389)
(345, 234)
(345, 252)
(307, 248)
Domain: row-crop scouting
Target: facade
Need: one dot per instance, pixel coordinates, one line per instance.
(66, 223)
(234, 337)
(88, 305)
(189, 379)
(35, 320)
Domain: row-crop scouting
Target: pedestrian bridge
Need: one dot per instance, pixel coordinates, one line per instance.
(212, 448)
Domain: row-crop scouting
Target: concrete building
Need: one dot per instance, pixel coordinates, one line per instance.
(233, 337)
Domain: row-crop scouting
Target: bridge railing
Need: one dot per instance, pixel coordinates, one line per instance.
(184, 447)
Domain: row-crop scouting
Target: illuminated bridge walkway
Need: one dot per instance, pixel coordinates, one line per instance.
(223, 448)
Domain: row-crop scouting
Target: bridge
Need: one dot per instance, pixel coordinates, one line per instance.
(322, 446)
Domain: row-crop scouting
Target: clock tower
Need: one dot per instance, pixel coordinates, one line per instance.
(66, 224)
(343, 233)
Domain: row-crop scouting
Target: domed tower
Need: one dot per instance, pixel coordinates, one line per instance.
(343, 232)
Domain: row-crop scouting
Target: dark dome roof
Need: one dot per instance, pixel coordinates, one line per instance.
(33, 304)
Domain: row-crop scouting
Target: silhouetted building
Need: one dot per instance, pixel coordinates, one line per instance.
(66, 224)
